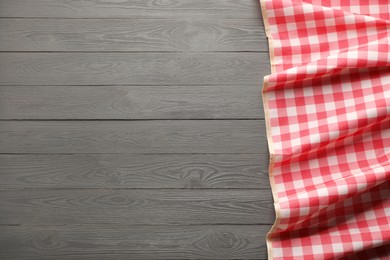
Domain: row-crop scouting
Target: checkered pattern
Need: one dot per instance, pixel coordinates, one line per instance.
(327, 105)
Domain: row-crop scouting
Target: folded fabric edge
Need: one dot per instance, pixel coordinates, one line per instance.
(268, 130)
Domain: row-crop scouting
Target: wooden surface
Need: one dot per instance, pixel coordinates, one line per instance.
(134, 242)
(126, 35)
(132, 171)
(93, 206)
(131, 102)
(150, 136)
(133, 130)
(132, 68)
(131, 9)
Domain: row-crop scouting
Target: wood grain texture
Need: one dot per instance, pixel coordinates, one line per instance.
(191, 136)
(132, 35)
(133, 129)
(131, 102)
(133, 242)
(131, 8)
(132, 68)
(223, 171)
(102, 206)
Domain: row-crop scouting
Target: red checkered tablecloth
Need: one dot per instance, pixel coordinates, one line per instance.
(327, 105)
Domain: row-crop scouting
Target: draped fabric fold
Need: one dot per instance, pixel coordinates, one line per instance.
(327, 106)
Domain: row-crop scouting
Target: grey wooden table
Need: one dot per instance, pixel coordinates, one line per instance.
(133, 129)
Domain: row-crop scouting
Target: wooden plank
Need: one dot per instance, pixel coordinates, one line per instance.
(131, 8)
(101, 206)
(249, 171)
(132, 35)
(190, 136)
(133, 68)
(131, 102)
(133, 242)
